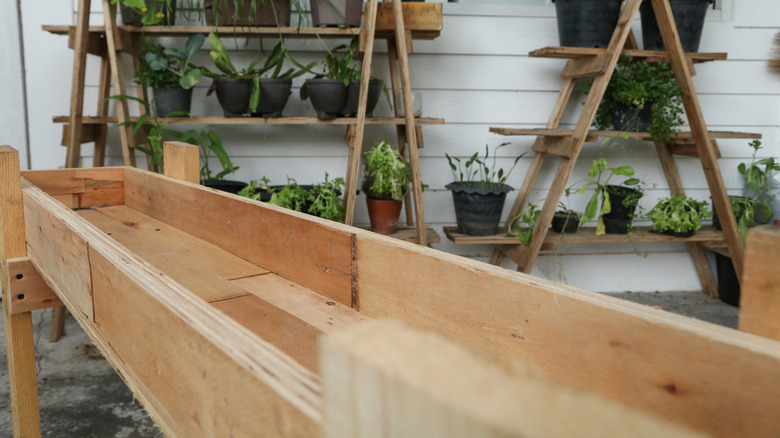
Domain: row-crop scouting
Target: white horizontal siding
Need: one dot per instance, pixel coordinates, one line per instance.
(477, 74)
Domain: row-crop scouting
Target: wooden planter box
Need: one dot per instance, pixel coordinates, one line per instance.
(418, 17)
(210, 307)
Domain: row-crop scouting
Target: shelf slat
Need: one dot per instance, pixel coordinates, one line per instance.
(682, 137)
(218, 120)
(650, 55)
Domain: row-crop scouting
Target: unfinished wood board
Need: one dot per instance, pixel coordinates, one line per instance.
(656, 362)
(759, 305)
(89, 187)
(384, 375)
(321, 312)
(294, 245)
(416, 16)
(28, 289)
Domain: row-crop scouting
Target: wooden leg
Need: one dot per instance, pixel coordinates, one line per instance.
(20, 347)
(57, 328)
(77, 85)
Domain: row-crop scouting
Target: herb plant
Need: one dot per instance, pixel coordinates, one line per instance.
(529, 216)
(387, 174)
(678, 214)
(476, 172)
(325, 200)
(210, 143)
(291, 196)
(250, 191)
(756, 175)
(163, 67)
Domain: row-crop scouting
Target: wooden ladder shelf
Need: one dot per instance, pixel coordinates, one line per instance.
(567, 144)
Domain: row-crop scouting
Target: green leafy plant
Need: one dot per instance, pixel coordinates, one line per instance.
(275, 63)
(637, 83)
(221, 58)
(250, 7)
(163, 66)
(251, 190)
(529, 216)
(387, 173)
(291, 196)
(210, 144)
(678, 214)
(325, 200)
(152, 13)
(758, 194)
(599, 176)
(477, 172)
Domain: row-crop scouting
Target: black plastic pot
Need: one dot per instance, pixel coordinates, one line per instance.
(233, 96)
(478, 209)
(353, 97)
(618, 220)
(688, 16)
(328, 96)
(586, 23)
(225, 185)
(340, 13)
(225, 12)
(565, 222)
(174, 97)
(274, 93)
(716, 220)
(729, 290)
(130, 17)
(632, 118)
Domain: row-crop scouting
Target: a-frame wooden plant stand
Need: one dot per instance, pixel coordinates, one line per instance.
(567, 144)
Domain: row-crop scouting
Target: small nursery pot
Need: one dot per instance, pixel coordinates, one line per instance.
(274, 93)
(586, 23)
(618, 220)
(565, 222)
(353, 97)
(171, 98)
(225, 185)
(234, 95)
(383, 215)
(477, 208)
(328, 96)
(688, 16)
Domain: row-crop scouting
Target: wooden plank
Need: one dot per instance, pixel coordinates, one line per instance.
(28, 289)
(407, 383)
(294, 337)
(104, 90)
(682, 137)
(663, 364)
(642, 234)
(759, 306)
(315, 252)
(322, 313)
(182, 161)
(118, 81)
(80, 41)
(416, 16)
(96, 187)
(296, 120)
(655, 55)
(19, 343)
(59, 248)
(584, 67)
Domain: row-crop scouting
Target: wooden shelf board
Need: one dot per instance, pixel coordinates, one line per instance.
(681, 136)
(214, 120)
(655, 55)
(409, 234)
(588, 235)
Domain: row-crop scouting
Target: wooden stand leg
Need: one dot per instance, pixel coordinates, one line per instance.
(19, 342)
(57, 328)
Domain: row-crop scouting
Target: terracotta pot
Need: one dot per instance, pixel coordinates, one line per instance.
(383, 215)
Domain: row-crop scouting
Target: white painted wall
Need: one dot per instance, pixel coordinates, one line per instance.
(475, 75)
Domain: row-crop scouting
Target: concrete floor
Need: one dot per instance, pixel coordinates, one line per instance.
(81, 395)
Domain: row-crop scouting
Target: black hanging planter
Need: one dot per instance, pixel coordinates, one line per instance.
(632, 118)
(224, 185)
(477, 208)
(233, 96)
(131, 17)
(586, 23)
(618, 220)
(274, 93)
(353, 97)
(328, 96)
(171, 98)
(688, 16)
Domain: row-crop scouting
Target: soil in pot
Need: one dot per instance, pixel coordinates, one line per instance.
(564, 222)
(225, 12)
(586, 23)
(618, 220)
(340, 13)
(233, 96)
(171, 98)
(688, 16)
(225, 185)
(478, 209)
(273, 97)
(353, 97)
(632, 118)
(131, 17)
(328, 96)
(383, 215)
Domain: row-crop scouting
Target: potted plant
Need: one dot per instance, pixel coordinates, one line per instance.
(238, 91)
(170, 74)
(249, 12)
(479, 192)
(688, 16)
(565, 221)
(147, 12)
(678, 215)
(618, 202)
(275, 84)
(586, 23)
(641, 96)
(529, 216)
(324, 200)
(210, 144)
(387, 177)
(341, 13)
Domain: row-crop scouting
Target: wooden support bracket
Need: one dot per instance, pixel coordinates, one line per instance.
(586, 66)
(88, 134)
(96, 44)
(28, 289)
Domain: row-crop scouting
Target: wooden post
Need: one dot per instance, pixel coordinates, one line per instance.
(759, 309)
(20, 347)
(77, 85)
(182, 161)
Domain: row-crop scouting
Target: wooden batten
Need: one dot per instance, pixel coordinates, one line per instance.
(93, 187)
(29, 290)
(693, 373)
(417, 16)
(759, 310)
(296, 246)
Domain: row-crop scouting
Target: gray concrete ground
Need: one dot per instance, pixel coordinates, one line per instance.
(81, 395)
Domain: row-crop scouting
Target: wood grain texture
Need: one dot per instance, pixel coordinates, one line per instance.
(385, 376)
(182, 161)
(29, 291)
(650, 360)
(293, 245)
(759, 305)
(96, 187)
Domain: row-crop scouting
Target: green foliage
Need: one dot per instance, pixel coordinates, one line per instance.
(250, 191)
(529, 216)
(209, 143)
(678, 213)
(291, 196)
(165, 66)
(221, 59)
(637, 83)
(387, 174)
(152, 13)
(756, 175)
(241, 7)
(598, 177)
(275, 63)
(476, 170)
(325, 201)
